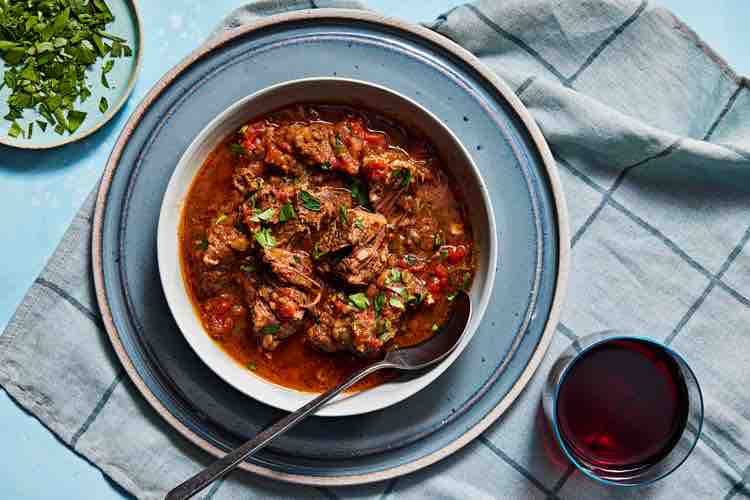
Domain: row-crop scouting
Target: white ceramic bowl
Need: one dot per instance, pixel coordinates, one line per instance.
(455, 159)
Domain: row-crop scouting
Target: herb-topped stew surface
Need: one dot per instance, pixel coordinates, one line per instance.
(318, 237)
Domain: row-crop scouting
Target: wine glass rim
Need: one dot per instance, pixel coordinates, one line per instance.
(563, 375)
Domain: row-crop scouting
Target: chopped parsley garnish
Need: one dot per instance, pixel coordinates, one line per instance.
(379, 303)
(309, 201)
(437, 241)
(416, 299)
(443, 254)
(451, 296)
(359, 300)
(396, 303)
(265, 238)
(410, 259)
(252, 366)
(106, 68)
(344, 214)
(386, 331)
(393, 276)
(359, 192)
(220, 218)
(248, 268)
(387, 335)
(201, 245)
(403, 176)
(271, 328)
(359, 223)
(47, 47)
(264, 215)
(325, 166)
(15, 130)
(435, 327)
(317, 252)
(287, 212)
(75, 119)
(238, 149)
(339, 145)
(467, 281)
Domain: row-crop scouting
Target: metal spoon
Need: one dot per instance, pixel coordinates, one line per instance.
(435, 349)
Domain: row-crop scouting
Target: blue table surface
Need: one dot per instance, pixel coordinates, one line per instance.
(41, 191)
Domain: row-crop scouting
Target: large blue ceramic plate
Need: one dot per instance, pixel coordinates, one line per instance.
(530, 216)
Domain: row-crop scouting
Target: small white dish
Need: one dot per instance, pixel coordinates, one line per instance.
(456, 160)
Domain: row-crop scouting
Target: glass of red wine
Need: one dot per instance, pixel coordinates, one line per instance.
(625, 410)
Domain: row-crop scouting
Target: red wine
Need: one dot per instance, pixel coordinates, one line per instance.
(623, 405)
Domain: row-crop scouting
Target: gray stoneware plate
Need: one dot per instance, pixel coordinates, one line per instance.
(506, 146)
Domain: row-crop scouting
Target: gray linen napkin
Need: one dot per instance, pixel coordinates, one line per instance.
(651, 131)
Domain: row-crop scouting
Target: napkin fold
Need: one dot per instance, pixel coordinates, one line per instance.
(651, 133)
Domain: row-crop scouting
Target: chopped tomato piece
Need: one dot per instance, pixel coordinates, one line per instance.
(357, 128)
(375, 139)
(376, 165)
(455, 254)
(286, 310)
(435, 287)
(218, 305)
(441, 272)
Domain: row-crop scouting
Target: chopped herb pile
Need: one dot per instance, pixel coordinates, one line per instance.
(47, 46)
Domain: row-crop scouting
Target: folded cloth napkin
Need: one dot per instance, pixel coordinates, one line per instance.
(651, 132)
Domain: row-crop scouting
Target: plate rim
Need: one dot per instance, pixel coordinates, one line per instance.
(112, 112)
(550, 169)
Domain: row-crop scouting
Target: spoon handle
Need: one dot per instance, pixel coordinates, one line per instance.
(225, 464)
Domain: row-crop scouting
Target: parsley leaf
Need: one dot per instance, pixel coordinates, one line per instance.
(317, 253)
(359, 192)
(15, 130)
(103, 105)
(309, 201)
(359, 223)
(271, 328)
(379, 303)
(344, 214)
(238, 149)
(404, 175)
(265, 238)
(265, 215)
(393, 276)
(396, 303)
(287, 212)
(247, 268)
(75, 119)
(359, 300)
(339, 145)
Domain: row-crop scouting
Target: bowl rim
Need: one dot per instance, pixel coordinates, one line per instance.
(549, 168)
(218, 360)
